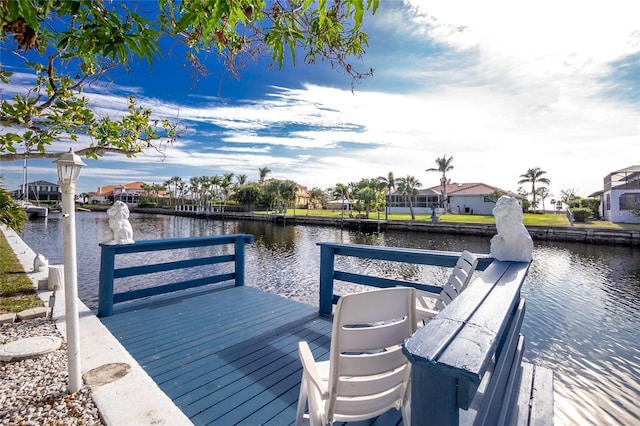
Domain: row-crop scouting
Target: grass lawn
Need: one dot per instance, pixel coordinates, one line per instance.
(16, 290)
(529, 218)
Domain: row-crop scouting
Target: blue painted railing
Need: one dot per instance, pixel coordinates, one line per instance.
(328, 273)
(108, 272)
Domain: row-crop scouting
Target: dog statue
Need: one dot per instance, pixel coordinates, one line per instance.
(40, 263)
(513, 242)
(120, 231)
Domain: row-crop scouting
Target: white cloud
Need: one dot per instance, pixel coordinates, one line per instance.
(516, 85)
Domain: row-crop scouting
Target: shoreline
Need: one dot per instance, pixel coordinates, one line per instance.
(603, 236)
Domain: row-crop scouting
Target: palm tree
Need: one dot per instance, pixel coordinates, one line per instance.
(194, 188)
(341, 191)
(225, 186)
(263, 172)
(181, 191)
(173, 183)
(408, 186)
(444, 166)
(534, 175)
(289, 192)
(387, 185)
(241, 180)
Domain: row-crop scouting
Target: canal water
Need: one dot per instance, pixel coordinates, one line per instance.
(583, 301)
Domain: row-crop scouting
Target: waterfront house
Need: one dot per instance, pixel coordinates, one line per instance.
(40, 190)
(128, 193)
(620, 199)
(474, 198)
(467, 198)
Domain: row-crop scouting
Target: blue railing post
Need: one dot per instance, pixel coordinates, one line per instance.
(105, 287)
(239, 255)
(326, 279)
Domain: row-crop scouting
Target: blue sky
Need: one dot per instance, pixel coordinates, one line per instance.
(500, 86)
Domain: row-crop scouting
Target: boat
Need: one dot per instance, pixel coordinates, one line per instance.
(34, 210)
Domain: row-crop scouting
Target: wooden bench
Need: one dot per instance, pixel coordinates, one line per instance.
(467, 362)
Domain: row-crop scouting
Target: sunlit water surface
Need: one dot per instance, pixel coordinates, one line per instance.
(583, 301)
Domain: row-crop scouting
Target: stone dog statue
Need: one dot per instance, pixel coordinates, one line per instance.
(120, 231)
(40, 263)
(513, 242)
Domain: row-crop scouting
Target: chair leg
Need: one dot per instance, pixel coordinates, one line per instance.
(406, 404)
(406, 413)
(302, 401)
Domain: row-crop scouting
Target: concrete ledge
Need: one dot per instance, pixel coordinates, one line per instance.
(7, 318)
(133, 399)
(27, 314)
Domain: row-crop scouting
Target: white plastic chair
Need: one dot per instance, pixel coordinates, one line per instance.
(367, 373)
(457, 282)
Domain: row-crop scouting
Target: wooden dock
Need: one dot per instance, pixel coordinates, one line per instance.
(227, 356)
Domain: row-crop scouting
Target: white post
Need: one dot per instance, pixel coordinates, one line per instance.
(71, 287)
(69, 165)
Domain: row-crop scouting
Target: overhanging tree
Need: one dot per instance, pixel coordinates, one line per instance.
(67, 46)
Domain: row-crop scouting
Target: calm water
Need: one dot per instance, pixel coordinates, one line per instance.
(583, 301)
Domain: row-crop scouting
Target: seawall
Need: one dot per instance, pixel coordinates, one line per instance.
(586, 235)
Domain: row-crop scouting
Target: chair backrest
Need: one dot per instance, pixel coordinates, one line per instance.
(366, 361)
(458, 280)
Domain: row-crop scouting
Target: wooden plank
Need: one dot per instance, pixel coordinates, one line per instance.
(176, 243)
(251, 371)
(427, 344)
(520, 413)
(223, 366)
(404, 255)
(170, 266)
(167, 288)
(384, 282)
(192, 337)
(209, 362)
(176, 352)
(542, 405)
(470, 352)
(220, 363)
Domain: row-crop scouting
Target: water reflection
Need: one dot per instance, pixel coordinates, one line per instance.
(583, 301)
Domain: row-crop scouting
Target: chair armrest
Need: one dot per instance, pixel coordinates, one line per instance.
(310, 369)
(422, 313)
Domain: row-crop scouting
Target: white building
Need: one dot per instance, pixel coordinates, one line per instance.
(620, 200)
(466, 198)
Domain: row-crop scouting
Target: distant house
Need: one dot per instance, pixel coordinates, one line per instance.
(302, 195)
(469, 198)
(425, 202)
(620, 199)
(129, 193)
(474, 198)
(40, 190)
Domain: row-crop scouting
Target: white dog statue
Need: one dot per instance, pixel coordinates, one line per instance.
(40, 263)
(120, 231)
(513, 242)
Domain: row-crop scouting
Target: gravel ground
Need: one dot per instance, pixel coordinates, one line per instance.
(34, 391)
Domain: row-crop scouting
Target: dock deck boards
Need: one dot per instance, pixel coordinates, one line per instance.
(228, 356)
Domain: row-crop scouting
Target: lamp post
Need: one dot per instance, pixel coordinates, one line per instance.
(69, 165)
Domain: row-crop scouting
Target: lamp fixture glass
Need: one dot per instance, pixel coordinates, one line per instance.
(69, 166)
